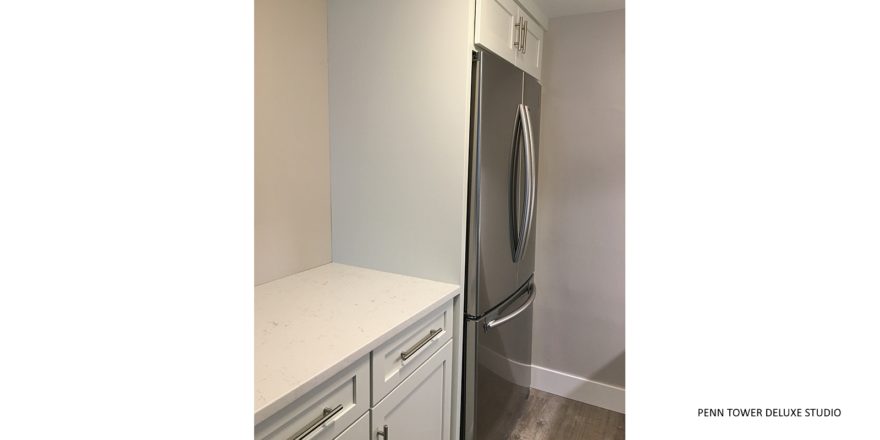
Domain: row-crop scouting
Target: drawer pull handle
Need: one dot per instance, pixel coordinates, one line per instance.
(383, 433)
(518, 37)
(431, 337)
(319, 422)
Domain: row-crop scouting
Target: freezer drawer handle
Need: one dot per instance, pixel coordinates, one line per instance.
(496, 322)
(318, 423)
(431, 337)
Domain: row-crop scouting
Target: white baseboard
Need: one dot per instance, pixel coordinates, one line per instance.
(555, 382)
(578, 388)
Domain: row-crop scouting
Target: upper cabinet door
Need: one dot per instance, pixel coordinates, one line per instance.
(529, 58)
(511, 32)
(496, 28)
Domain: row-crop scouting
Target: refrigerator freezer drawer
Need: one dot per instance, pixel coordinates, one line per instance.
(497, 373)
(400, 356)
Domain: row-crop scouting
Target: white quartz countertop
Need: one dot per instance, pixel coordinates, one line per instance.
(311, 325)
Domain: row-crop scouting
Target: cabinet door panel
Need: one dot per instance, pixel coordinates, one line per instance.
(530, 61)
(420, 407)
(359, 431)
(495, 28)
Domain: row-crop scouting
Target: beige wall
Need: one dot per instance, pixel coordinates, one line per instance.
(579, 313)
(292, 149)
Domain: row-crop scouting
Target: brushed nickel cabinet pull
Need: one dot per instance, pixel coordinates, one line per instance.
(383, 432)
(317, 423)
(517, 41)
(405, 355)
(525, 36)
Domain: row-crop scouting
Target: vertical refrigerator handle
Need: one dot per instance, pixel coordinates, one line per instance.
(524, 125)
(516, 216)
(531, 175)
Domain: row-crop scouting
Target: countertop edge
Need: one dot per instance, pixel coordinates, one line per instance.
(271, 408)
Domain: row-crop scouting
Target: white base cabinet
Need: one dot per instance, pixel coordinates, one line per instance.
(419, 408)
(411, 389)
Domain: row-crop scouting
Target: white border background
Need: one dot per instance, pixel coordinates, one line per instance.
(753, 216)
(126, 246)
(126, 174)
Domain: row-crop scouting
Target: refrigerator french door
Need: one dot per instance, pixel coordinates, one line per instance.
(499, 286)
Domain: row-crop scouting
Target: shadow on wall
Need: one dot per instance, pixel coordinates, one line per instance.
(579, 333)
(610, 373)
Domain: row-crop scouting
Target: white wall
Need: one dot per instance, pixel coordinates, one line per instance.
(579, 312)
(399, 120)
(291, 145)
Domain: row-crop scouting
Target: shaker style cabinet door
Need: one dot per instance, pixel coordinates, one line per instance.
(529, 58)
(360, 430)
(419, 408)
(496, 28)
(509, 31)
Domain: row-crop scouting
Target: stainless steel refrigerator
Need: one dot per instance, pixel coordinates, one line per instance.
(499, 286)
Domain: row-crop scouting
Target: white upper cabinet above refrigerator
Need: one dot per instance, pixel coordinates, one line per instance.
(513, 30)
(495, 27)
(529, 58)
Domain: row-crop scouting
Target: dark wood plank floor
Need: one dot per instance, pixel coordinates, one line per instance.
(548, 416)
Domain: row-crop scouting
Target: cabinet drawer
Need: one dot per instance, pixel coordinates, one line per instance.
(399, 357)
(324, 412)
(359, 431)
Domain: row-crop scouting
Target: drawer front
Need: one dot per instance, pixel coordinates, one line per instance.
(400, 356)
(324, 412)
(359, 431)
